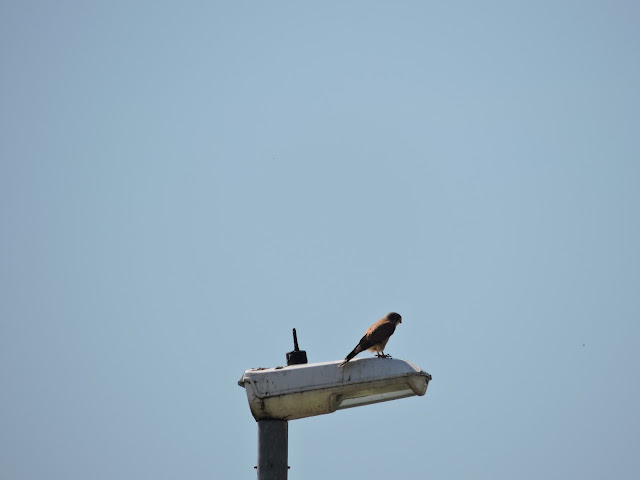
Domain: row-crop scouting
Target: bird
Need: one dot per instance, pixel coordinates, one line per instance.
(376, 337)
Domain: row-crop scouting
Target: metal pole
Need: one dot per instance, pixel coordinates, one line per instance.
(273, 449)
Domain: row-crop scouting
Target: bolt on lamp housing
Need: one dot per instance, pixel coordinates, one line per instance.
(299, 391)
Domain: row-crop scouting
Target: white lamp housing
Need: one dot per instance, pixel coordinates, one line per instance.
(298, 391)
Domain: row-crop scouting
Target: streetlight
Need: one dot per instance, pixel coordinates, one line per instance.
(279, 394)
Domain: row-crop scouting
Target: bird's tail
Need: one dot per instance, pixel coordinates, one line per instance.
(353, 353)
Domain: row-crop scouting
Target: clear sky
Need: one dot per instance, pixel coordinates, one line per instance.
(182, 183)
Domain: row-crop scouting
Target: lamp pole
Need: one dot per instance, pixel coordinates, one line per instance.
(273, 434)
(273, 449)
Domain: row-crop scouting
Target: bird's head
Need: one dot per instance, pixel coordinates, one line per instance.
(394, 317)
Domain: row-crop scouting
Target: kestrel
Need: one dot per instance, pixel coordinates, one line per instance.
(376, 337)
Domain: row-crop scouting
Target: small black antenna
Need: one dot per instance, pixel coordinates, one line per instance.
(297, 357)
(295, 341)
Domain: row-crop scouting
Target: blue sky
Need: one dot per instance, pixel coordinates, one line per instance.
(182, 183)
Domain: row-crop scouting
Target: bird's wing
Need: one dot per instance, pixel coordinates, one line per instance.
(377, 333)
